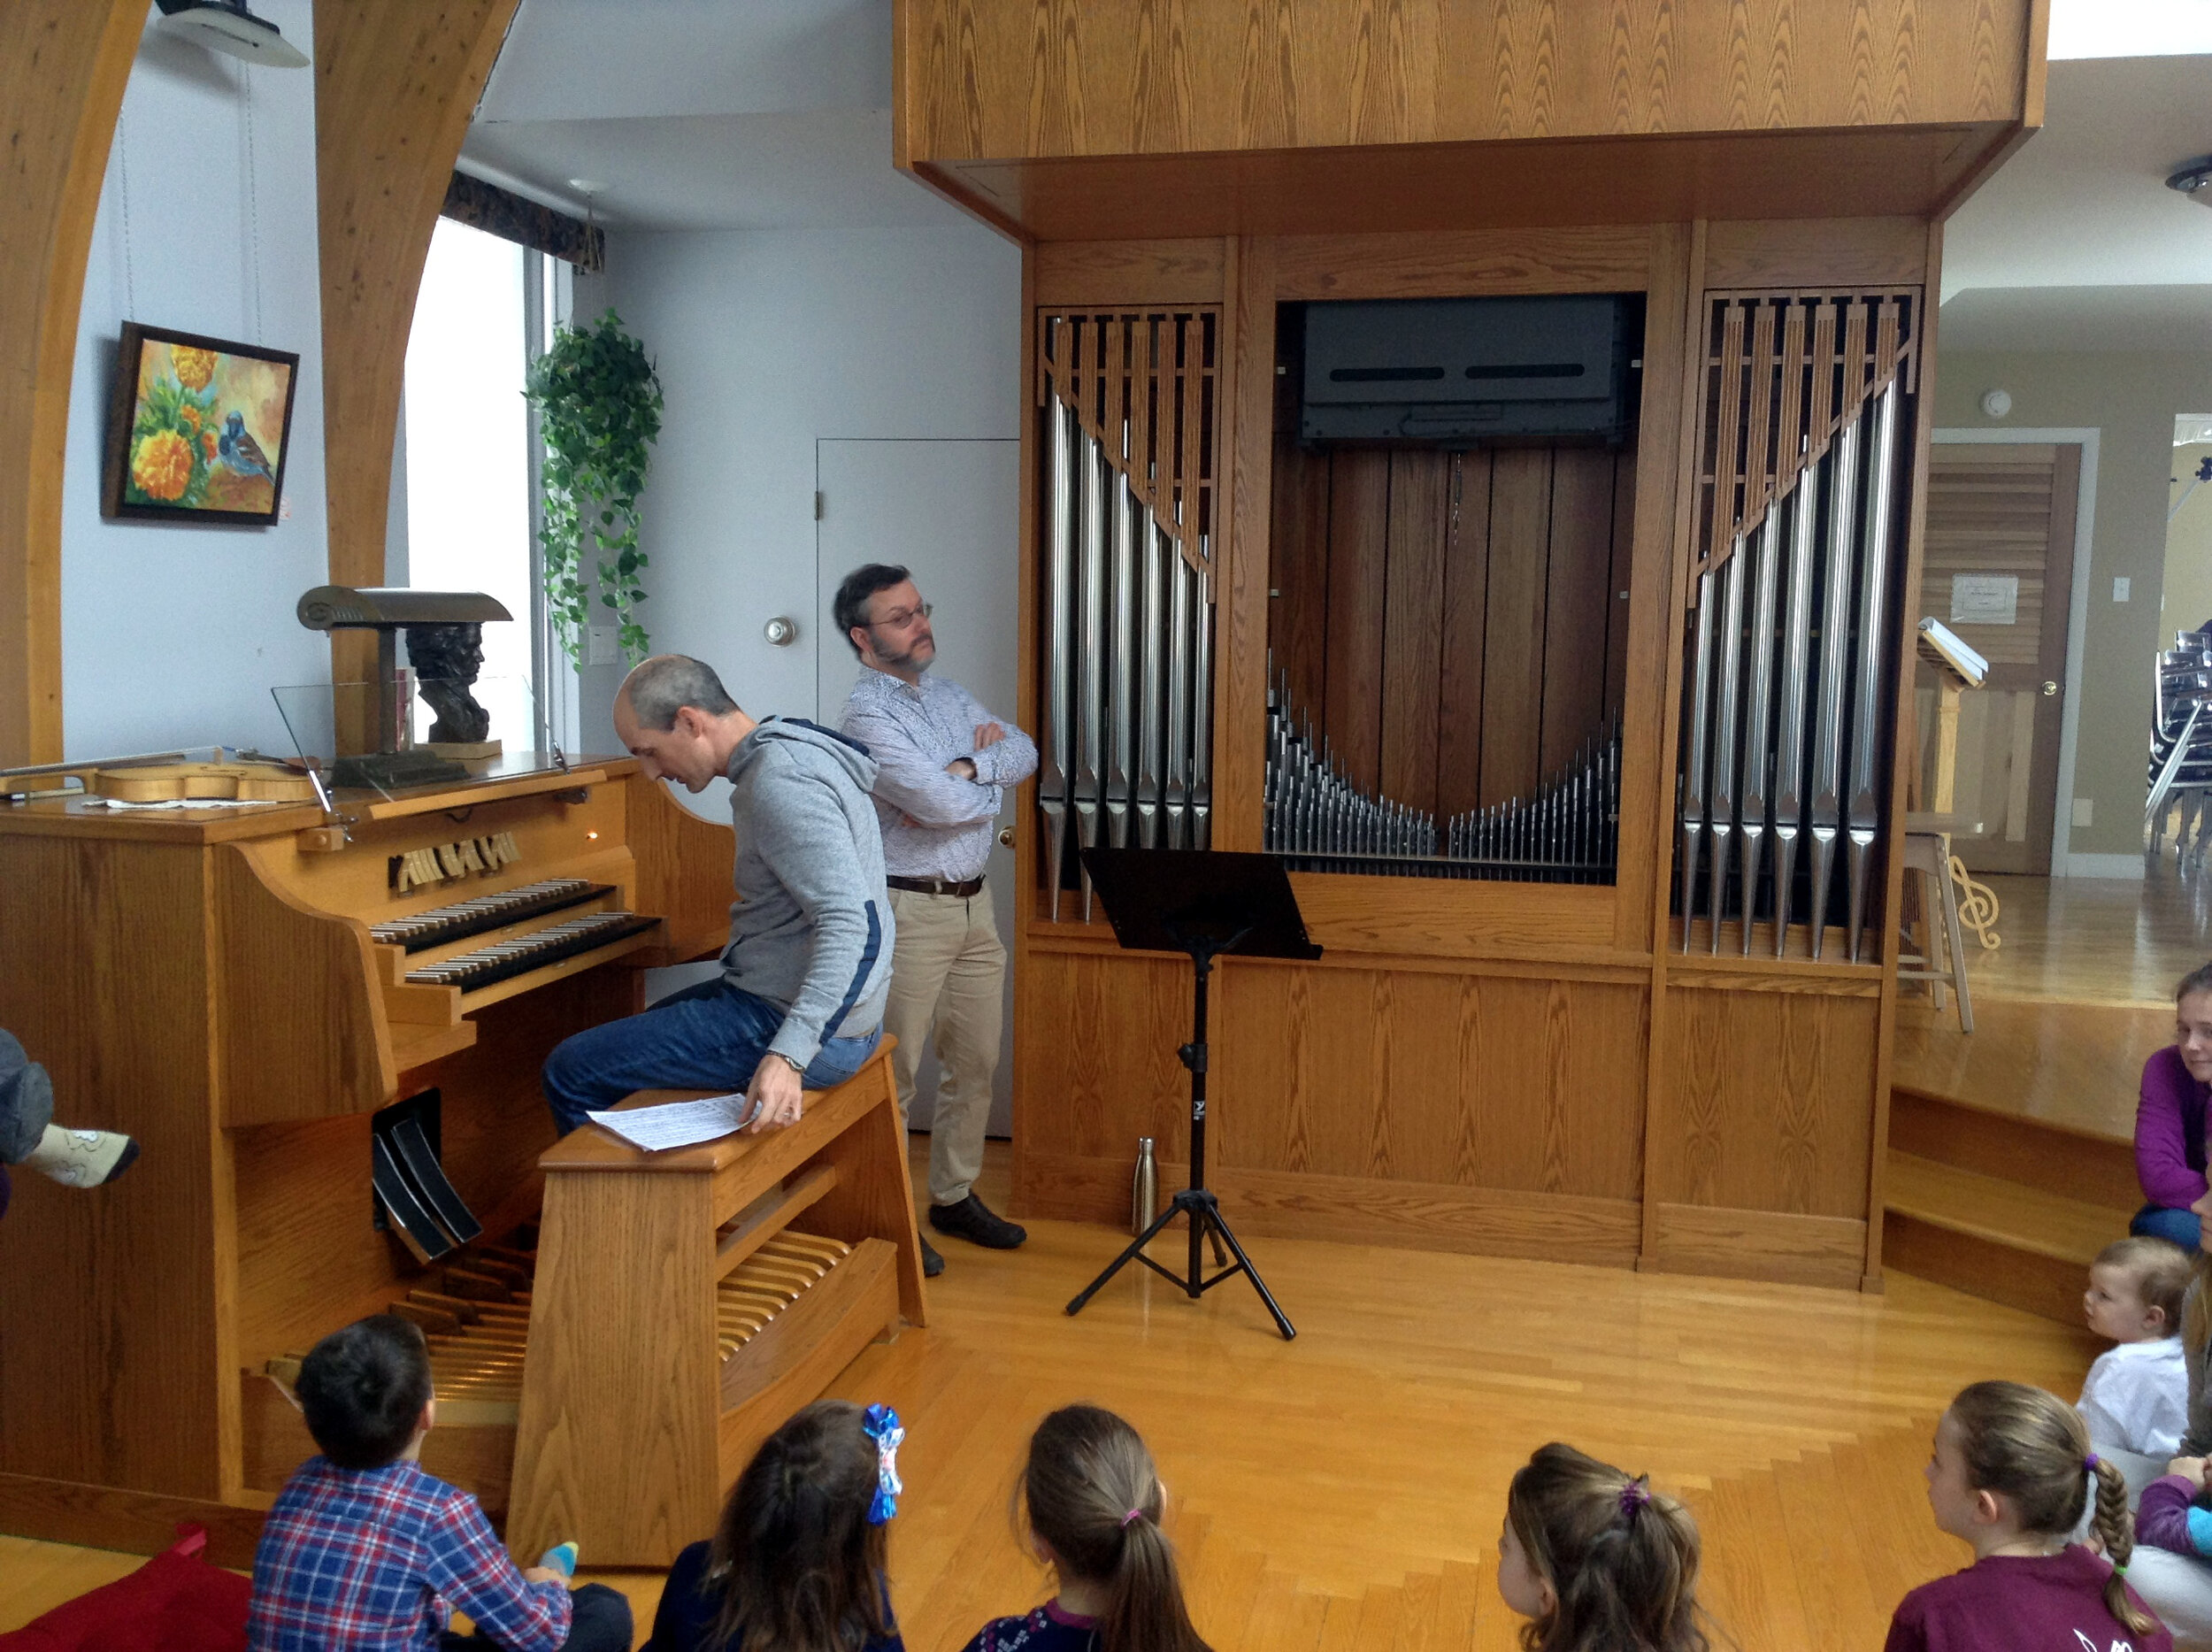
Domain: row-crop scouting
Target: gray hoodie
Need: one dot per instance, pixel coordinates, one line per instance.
(810, 930)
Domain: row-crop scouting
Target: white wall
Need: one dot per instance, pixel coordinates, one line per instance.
(174, 635)
(766, 341)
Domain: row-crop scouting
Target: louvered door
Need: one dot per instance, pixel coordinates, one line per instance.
(1999, 571)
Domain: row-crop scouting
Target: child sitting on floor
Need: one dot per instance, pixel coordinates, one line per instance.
(1594, 1560)
(1093, 1503)
(2136, 1396)
(362, 1550)
(798, 1561)
(2010, 1476)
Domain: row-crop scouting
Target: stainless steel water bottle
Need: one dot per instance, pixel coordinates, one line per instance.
(1144, 1188)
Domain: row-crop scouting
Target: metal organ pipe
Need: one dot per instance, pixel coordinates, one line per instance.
(1201, 792)
(1789, 738)
(1725, 731)
(1159, 550)
(1060, 509)
(1694, 776)
(1861, 814)
(1090, 651)
(1175, 802)
(1765, 553)
(1121, 722)
(1835, 632)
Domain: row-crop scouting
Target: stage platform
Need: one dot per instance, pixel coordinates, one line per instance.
(2011, 1159)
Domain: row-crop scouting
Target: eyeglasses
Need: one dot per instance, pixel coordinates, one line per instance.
(902, 617)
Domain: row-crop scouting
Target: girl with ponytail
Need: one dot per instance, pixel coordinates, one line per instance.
(1597, 1561)
(1093, 1502)
(2011, 1476)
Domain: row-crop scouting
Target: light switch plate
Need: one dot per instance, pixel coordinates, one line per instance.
(2120, 589)
(602, 645)
(2084, 811)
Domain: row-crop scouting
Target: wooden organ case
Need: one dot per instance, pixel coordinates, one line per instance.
(233, 987)
(1583, 756)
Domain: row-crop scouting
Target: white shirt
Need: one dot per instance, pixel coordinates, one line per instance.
(2135, 1397)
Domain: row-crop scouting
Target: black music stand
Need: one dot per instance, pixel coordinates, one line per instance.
(1202, 903)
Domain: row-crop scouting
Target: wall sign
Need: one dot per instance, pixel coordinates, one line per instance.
(1984, 599)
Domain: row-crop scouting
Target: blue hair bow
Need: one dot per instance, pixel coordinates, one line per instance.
(881, 1424)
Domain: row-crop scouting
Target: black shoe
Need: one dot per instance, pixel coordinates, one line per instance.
(972, 1220)
(932, 1264)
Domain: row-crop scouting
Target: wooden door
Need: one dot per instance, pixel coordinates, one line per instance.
(1999, 571)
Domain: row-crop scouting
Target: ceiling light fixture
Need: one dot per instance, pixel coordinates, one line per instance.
(2194, 180)
(225, 26)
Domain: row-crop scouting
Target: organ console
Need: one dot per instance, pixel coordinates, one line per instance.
(245, 990)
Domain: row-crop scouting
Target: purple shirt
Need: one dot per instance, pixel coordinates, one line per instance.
(2018, 1603)
(2161, 1162)
(2162, 1518)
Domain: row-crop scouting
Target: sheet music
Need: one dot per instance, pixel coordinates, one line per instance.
(678, 1123)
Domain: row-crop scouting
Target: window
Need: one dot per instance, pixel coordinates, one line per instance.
(469, 457)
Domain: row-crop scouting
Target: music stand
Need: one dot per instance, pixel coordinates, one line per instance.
(1202, 903)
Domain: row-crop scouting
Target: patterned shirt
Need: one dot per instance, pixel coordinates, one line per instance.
(371, 1559)
(935, 825)
(1047, 1629)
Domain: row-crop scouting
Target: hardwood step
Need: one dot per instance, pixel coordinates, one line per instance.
(2095, 1166)
(2001, 1240)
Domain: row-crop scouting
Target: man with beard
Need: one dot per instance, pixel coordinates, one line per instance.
(943, 765)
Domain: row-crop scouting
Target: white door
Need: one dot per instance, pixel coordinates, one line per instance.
(949, 511)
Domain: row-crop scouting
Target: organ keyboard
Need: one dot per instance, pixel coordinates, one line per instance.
(486, 966)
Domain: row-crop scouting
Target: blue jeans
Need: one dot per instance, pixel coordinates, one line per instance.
(708, 1037)
(2156, 1221)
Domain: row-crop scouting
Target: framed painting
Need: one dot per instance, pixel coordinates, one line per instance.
(198, 429)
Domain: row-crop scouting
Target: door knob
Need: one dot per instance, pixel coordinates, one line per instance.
(1006, 836)
(2049, 688)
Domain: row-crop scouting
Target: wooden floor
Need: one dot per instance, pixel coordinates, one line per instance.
(2068, 1008)
(1346, 1490)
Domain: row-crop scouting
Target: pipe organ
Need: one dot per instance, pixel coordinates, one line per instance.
(1580, 736)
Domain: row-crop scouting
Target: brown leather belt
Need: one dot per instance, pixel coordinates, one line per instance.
(937, 886)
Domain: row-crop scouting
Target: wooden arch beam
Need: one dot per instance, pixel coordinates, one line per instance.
(396, 83)
(64, 65)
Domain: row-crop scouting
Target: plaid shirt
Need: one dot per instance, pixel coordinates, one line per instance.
(378, 1558)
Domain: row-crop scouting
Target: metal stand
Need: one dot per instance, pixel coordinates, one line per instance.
(1196, 1201)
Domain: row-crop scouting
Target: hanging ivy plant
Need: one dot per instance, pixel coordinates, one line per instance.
(599, 407)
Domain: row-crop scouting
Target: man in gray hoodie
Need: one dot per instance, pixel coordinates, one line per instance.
(800, 999)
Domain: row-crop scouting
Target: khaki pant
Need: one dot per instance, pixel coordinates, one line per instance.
(947, 976)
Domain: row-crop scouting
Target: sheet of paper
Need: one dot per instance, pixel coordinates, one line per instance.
(677, 1124)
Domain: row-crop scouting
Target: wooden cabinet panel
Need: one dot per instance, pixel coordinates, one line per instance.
(1061, 79)
(1431, 1077)
(1765, 1101)
(107, 986)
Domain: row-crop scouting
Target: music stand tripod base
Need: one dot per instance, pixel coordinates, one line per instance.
(1203, 903)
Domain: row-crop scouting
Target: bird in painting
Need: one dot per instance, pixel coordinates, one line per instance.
(241, 451)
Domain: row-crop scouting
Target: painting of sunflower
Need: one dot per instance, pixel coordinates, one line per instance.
(197, 427)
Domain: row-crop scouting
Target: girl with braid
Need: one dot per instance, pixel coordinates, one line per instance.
(1597, 1562)
(797, 1564)
(1093, 1502)
(2011, 1476)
